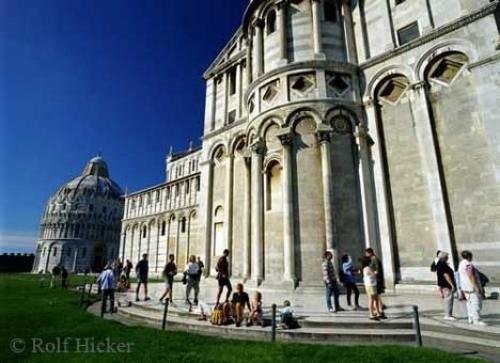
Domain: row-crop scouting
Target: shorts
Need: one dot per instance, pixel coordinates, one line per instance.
(224, 281)
(169, 282)
(142, 279)
(370, 290)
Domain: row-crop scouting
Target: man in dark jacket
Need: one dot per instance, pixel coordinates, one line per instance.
(142, 270)
(222, 269)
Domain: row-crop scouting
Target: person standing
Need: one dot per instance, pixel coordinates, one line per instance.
(56, 272)
(472, 289)
(192, 279)
(350, 281)
(106, 282)
(128, 269)
(201, 265)
(239, 301)
(331, 285)
(142, 270)
(370, 282)
(64, 278)
(446, 284)
(169, 273)
(376, 266)
(222, 269)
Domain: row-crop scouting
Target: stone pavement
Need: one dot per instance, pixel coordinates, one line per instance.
(320, 327)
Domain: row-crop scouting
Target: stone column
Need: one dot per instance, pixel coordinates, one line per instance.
(239, 87)
(283, 30)
(213, 109)
(208, 216)
(428, 153)
(258, 149)
(259, 46)
(324, 135)
(364, 143)
(157, 244)
(288, 208)
(249, 59)
(383, 245)
(178, 219)
(316, 29)
(124, 245)
(352, 53)
(226, 96)
(228, 210)
(247, 219)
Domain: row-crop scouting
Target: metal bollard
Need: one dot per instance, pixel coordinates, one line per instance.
(416, 325)
(165, 312)
(88, 295)
(82, 295)
(273, 324)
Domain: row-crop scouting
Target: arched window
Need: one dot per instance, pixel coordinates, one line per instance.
(144, 232)
(68, 252)
(77, 231)
(163, 228)
(271, 22)
(273, 187)
(54, 252)
(183, 225)
(330, 10)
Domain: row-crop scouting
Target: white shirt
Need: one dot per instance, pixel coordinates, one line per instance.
(192, 268)
(464, 269)
(369, 277)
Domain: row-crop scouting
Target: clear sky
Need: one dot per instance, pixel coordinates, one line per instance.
(79, 77)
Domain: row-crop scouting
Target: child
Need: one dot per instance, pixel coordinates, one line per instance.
(370, 280)
(256, 313)
(288, 319)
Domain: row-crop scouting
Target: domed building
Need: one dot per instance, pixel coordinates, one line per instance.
(80, 226)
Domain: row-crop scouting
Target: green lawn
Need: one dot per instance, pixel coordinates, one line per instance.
(29, 311)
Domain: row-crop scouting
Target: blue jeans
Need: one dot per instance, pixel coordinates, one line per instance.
(332, 289)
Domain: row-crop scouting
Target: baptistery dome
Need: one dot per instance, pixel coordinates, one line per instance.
(80, 226)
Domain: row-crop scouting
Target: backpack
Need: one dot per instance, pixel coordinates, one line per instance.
(217, 316)
(433, 266)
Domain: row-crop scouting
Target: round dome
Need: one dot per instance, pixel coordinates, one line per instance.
(94, 182)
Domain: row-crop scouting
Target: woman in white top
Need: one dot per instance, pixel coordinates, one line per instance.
(192, 282)
(370, 281)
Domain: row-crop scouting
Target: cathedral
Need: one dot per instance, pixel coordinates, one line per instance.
(338, 124)
(80, 227)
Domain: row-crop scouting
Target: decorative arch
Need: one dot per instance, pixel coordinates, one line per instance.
(446, 68)
(340, 112)
(271, 159)
(215, 148)
(392, 88)
(236, 142)
(387, 72)
(301, 113)
(268, 122)
(451, 45)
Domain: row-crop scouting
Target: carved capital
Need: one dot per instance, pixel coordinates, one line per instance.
(419, 86)
(258, 147)
(286, 139)
(323, 136)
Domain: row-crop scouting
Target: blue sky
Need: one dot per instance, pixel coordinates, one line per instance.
(79, 77)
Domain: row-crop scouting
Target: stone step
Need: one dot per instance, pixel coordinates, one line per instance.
(317, 335)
